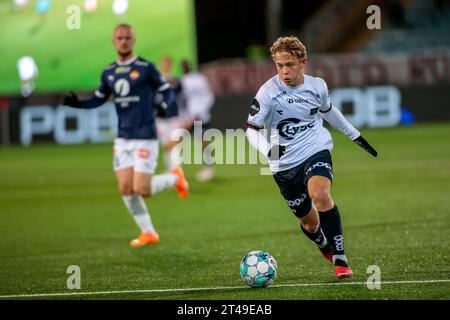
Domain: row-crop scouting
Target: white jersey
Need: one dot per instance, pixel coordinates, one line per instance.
(291, 115)
(199, 96)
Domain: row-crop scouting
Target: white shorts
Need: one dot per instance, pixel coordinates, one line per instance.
(141, 155)
(165, 128)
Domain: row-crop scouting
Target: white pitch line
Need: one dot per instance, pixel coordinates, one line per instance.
(62, 294)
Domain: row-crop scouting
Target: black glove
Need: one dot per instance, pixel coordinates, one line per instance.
(365, 145)
(160, 104)
(161, 109)
(72, 100)
(276, 152)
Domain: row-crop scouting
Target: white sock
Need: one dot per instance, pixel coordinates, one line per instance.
(138, 209)
(170, 164)
(162, 182)
(340, 257)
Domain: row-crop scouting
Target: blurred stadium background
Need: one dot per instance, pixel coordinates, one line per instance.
(229, 40)
(392, 82)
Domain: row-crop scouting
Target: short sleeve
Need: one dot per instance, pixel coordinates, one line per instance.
(324, 96)
(260, 109)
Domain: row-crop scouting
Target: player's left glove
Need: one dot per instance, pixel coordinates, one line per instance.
(161, 109)
(72, 100)
(365, 145)
(161, 105)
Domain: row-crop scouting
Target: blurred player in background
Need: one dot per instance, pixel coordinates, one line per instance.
(199, 101)
(175, 115)
(134, 83)
(293, 105)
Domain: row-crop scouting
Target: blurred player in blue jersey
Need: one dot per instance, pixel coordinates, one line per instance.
(292, 105)
(135, 84)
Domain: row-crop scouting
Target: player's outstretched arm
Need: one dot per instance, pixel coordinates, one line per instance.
(257, 139)
(73, 101)
(334, 117)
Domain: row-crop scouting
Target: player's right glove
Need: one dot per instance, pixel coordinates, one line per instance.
(276, 152)
(365, 145)
(72, 100)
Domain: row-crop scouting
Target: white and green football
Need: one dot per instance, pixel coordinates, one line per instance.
(258, 269)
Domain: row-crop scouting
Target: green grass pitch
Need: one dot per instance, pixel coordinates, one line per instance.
(59, 206)
(83, 53)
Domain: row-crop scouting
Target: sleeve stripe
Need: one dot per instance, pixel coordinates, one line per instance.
(325, 111)
(98, 94)
(165, 86)
(252, 126)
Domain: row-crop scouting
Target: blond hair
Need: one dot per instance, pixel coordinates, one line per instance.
(289, 44)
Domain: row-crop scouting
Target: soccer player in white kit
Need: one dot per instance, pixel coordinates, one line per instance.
(292, 106)
(199, 101)
(172, 121)
(134, 83)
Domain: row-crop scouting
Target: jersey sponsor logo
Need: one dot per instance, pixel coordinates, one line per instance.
(143, 153)
(254, 108)
(122, 87)
(122, 70)
(295, 100)
(313, 111)
(319, 164)
(134, 74)
(287, 128)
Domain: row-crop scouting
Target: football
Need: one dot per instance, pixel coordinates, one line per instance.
(258, 269)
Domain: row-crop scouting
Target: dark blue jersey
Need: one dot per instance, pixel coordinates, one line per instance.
(179, 105)
(133, 85)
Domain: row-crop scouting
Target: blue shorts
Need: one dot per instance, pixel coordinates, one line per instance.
(293, 182)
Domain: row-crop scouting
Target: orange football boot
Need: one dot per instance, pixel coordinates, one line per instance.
(145, 238)
(342, 270)
(182, 185)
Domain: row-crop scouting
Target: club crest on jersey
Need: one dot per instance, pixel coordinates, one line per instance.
(287, 128)
(134, 74)
(254, 109)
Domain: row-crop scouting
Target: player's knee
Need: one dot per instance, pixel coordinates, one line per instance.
(322, 200)
(126, 189)
(310, 226)
(143, 191)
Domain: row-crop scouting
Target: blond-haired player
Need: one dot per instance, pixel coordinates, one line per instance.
(292, 106)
